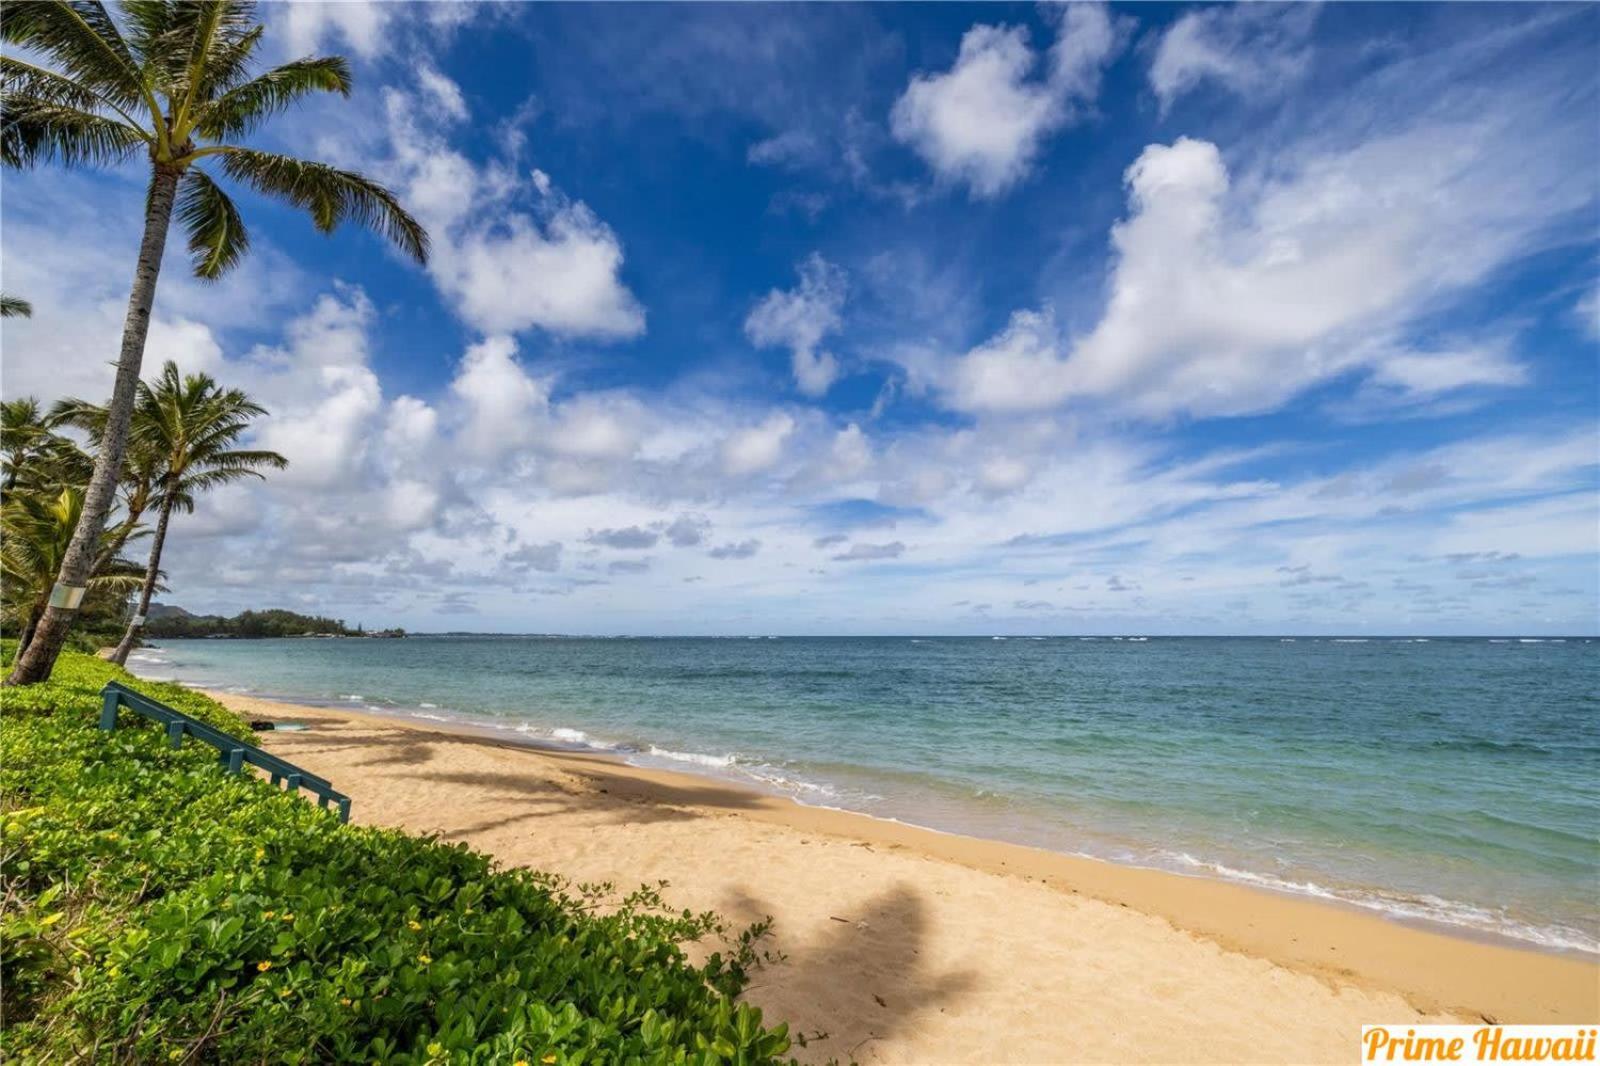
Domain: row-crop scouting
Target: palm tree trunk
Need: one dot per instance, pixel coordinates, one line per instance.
(28, 630)
(151, 571)
(36, 663)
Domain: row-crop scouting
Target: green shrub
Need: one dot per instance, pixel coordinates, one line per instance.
(157, 908)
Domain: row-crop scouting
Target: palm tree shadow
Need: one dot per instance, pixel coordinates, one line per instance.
(858, 979)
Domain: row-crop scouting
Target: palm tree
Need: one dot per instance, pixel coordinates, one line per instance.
(14, 307)
(169, 82)
(37, 532)
(141, 463)
(36, 458)
(190, 425)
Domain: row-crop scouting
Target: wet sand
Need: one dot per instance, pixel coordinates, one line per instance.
(907, 945)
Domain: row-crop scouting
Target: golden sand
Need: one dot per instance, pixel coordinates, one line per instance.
(907, 945)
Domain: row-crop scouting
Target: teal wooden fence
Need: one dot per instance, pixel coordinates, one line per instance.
(234, 753)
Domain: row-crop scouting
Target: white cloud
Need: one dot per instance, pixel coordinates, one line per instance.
(553, 265)
(860, 552)
(982, 122)
(1250, 49)
(1229, 297)
(500, 397)
(744, 549)
(1432, 373)
(800, 318)
(752, 450)
(315, 25)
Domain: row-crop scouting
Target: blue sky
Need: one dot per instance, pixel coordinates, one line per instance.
(891, 318)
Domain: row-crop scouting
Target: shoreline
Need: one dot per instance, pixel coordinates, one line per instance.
(712, 770)
(1340, 945)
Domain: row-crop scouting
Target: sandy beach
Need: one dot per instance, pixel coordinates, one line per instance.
(906, 945)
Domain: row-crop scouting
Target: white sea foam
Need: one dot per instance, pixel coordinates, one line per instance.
(1417, 908)
(1349, 640)
(718, 762)
(429, 706)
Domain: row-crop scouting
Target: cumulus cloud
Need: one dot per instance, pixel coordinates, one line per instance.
(1249, 49)
(799, 319)
(510, 250)
(743, 549)
(982, 122)
(1229, 297)
(688, 530)
(859, 552)
(758, 448)
(543, 557)
(630, 537)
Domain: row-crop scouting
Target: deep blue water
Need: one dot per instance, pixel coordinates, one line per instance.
(1453, 780)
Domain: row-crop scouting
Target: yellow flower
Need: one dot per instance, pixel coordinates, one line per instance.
(261, 853)
(415, 925)
(283, 992)
(288, 918)
(424, 959)
(263, 966)
(344, 1001)
(548, 1059)
(269, 914)
(520, 1062)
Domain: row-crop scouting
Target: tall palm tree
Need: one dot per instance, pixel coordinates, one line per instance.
(37, 530)
(190, 424)
(169, 82)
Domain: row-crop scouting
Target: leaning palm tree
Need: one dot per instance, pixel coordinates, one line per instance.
(37, 530)
(191, 425)
(169, 82)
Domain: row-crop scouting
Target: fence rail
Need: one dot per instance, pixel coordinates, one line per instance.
(233, 752)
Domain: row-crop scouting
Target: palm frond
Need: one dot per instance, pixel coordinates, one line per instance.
(240, 109)
(24, 79)
(217, 237)
(82, 39)
(14, 307)
(330, 195)
(36, 131)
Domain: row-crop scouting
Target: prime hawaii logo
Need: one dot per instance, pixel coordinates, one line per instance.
(1478, 1043)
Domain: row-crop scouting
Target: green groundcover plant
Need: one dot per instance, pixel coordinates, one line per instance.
(157, 909)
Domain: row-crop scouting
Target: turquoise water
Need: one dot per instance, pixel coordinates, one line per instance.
(1453, 780)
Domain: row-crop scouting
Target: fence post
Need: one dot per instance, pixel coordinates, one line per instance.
(175, 733)
(108, 709)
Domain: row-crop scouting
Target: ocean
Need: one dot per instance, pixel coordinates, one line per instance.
(1453, 781)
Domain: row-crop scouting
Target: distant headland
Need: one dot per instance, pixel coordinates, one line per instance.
(168, 621)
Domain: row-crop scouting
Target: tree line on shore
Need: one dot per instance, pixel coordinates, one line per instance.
(249, 625)
(171, 85)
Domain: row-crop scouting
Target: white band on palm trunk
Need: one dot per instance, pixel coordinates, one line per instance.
(66, 597)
